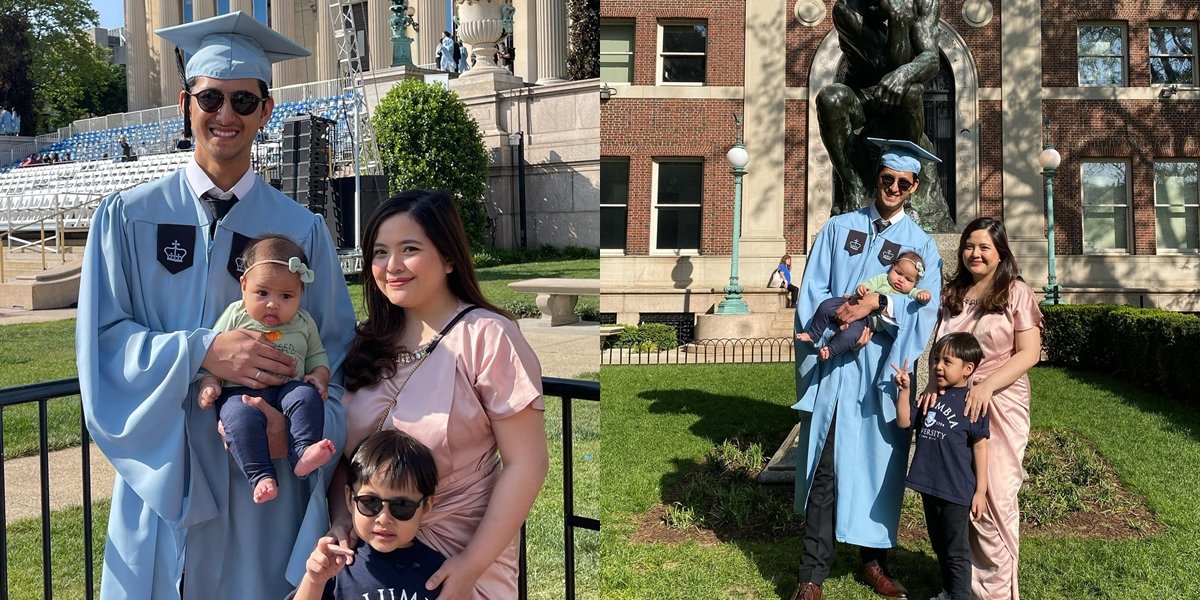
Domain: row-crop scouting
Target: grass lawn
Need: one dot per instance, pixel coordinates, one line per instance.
(667, 417)
(31, 353)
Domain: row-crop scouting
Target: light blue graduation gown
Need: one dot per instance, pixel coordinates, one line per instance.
(5, 122)
(180, 505)
(447, 50)
(870, 451)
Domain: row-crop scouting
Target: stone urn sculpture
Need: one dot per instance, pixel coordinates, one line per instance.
(481, 25)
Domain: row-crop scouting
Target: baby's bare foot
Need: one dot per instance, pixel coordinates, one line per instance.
(804, 337)
(265, 491)
(314, 457)
(824, 353)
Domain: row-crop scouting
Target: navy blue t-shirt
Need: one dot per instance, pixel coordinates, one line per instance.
(942, 463)
(397, 575)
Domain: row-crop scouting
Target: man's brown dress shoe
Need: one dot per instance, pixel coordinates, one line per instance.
(807, 591)
(872, 575)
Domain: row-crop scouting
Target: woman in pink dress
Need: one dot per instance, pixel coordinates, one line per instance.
(438, 361)
(986, 298)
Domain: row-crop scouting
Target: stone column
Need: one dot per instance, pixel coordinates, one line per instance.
(551, 41)
(432, 19)
(297, 21)
(525, 64)
(325, 53)
(164, 13)
(764, 107)
(137, 55)
(203, 9)
(1021, 129)
(379, 33)
(246, 6)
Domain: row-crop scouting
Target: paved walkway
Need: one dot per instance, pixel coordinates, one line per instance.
(565, 351)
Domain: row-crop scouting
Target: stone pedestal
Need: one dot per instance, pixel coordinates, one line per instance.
(402, 51)
(732, 327)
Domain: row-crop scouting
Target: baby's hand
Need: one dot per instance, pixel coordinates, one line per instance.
(923, 296)
(861, 291)
(319, 378)
(210, 390)
(978, 505)
(326, 560)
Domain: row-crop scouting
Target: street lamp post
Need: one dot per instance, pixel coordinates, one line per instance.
(738, 158)
(1049, 160)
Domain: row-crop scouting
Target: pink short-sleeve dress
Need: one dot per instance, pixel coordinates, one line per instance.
(482, 371)
(995, 536)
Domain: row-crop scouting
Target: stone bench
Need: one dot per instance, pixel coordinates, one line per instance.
(556, 298)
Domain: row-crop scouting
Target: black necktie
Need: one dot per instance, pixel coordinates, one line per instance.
(880, 225)
(220, 208)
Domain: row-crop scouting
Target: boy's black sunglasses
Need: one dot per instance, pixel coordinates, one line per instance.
(244, 103)
(402, 509)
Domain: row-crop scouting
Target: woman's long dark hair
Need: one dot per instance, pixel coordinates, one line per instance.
(372, 354)
(995, 299)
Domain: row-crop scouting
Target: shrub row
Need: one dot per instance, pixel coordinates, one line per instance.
(647, 337)
(494, 257)
(1154, 348)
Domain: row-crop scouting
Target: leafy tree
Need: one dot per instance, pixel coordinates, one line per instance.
(110, 97)
(428, 140)
(16, 68)
(583, 57)
(66, 62)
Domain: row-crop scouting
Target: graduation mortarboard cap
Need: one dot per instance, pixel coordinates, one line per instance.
(231, 46)
(902, 155)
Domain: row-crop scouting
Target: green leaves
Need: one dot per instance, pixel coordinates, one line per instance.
(428, 140)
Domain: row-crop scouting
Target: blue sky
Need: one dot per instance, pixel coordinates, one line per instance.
(112, 12)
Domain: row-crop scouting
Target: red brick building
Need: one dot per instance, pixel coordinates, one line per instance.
(1117, 80)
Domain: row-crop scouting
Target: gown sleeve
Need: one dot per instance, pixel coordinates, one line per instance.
(814, 289)
(133, 379)
(508, 375)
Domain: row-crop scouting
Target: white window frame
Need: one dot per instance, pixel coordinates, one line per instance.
(1128, 205)
(1195, 40)
(1124, 56)
(633, 30)
(654, 206)
(1157, 205)
(616, 251)
(658, 61)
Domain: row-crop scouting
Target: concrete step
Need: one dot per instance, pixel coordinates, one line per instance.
(20, 264)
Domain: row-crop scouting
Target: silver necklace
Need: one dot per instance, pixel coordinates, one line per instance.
(406, 357)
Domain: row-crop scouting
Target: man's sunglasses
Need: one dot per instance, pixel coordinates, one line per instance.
(888, 180)
(244, 103)
(402, 509)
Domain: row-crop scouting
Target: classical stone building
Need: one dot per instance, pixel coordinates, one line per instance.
(539, 37)
(555, 122)
(1117, 81)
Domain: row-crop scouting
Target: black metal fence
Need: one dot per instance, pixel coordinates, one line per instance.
(41, 393)
(704, 352)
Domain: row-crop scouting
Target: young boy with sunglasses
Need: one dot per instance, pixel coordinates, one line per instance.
(390, 486)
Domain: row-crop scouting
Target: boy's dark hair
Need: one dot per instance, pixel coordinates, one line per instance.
(396, 460)
(960, 345)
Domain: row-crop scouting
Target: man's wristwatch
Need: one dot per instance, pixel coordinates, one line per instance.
(883, 301)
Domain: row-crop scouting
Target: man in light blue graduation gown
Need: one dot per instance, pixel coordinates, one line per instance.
(851, 467)
(160, 266)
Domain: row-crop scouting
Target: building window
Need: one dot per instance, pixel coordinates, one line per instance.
(616, 51)
(614, 203)
(1172, 54)
(1177, 206)
(682, 49)
(1105, 206)
(678, 189)
(1102, 54)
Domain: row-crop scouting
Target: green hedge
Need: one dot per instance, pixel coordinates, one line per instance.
(494, 257)
(648, 337)
(1154, 348)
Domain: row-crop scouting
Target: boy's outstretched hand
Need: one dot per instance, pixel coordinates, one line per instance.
(901, 377)
(326, 560)
(978, 504)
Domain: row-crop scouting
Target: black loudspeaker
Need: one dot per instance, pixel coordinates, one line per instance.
(304, 167)
(374, 192)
